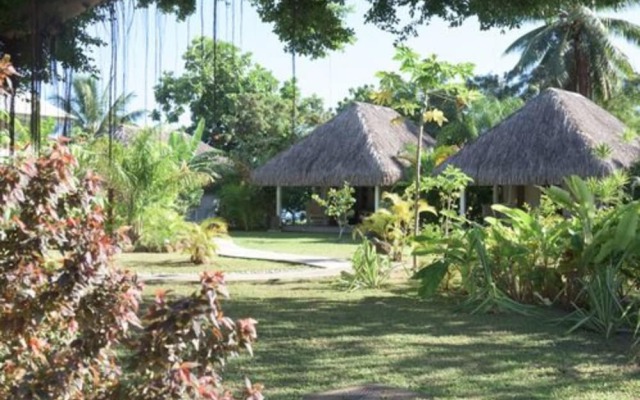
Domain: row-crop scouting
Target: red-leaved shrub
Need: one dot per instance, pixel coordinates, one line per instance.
(65, 311)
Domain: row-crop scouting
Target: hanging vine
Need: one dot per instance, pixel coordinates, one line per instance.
(35, 80)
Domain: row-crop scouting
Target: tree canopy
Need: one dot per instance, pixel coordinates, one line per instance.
(306, 27)
(92, 110)
(509, 14)
(574, 51)
(246, 110)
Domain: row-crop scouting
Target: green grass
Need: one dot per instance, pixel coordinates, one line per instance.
(163, 263)
(313, 337)
(316, 244)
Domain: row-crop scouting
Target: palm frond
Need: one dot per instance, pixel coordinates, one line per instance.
(625, 29)
(523, 41)
(537, 47)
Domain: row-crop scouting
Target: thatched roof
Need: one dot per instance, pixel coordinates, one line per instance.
(22, 107)
(125, 133)
(361, 146)
(551, 137)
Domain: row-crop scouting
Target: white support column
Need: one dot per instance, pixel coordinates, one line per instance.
(496, 195)
(376, 198)
(463, 202)
(278, 202)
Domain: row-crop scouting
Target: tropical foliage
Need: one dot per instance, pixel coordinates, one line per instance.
(148, 172)
(93, 110)
(154, 179)
(394, 223)
(370, 269)
(585, 260)
(575, 51)
(338, 204)
(245, 206)
(67, 313)
(199, 239)
(247, 112)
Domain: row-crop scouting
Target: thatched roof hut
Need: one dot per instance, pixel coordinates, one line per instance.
(361, 146)
(555, 135)
(22, 107)
(125, 134)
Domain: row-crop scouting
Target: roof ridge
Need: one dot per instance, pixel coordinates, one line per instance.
(371, 144)
(570, 115)
(588, 141)
(550, 137)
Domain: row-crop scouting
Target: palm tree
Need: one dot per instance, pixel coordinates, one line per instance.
(92, 110)
(575, 51)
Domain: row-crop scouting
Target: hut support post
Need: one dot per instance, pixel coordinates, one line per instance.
(463, 202)
(376, 198)
(495, 194)
(278, 202)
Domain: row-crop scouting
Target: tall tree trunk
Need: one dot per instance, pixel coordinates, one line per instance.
(582, 76)
(416, 196)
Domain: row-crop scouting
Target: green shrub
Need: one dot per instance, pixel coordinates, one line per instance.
(338, 205)
(370, 270)
(586, 261)
(162, 230)
(607, 311)
(243, 205)
(394, 223)
(66, 313)
(198, 241)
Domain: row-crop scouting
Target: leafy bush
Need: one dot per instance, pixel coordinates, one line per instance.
(198, 241)
(162, 230)
(608, 312)
(65, 311)
(586, 260)
(243, 205)
(184, 344)
(147, 173)
(371, 270)
(527, 249)
(338, 205)
(395, 222)
(444, 246)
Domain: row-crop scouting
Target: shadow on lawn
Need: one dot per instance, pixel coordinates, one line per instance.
(314, 344)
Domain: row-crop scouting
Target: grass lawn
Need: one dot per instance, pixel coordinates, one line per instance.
(316, 244)
(162, 263)
(313, 337)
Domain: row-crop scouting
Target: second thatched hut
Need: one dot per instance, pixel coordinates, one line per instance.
(553, 136)
(362, 146)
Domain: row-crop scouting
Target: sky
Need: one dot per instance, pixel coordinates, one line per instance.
(151, 42)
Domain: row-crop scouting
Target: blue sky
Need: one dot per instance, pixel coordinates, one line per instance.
(165, 40)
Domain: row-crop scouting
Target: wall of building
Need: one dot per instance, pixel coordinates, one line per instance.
(207, 208)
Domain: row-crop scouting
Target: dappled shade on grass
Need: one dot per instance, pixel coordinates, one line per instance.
(178, 263)
(314, 338)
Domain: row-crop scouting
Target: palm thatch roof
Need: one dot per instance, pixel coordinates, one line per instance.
(555, 135)
(22, 107)
(125, 133)
(361, 146)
